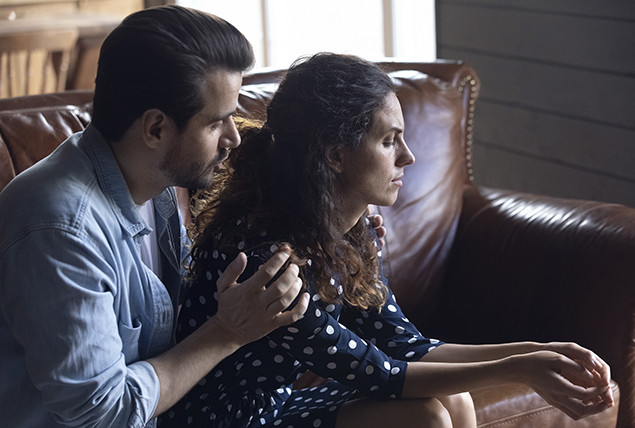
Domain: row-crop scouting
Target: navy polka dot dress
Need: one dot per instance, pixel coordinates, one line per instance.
(358, 351)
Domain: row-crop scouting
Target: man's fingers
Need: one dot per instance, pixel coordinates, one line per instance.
(231, 274)
(279, 295)
(291, 316)
(267, 271)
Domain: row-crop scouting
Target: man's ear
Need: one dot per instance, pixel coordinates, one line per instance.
(335, 158)
(157, 128)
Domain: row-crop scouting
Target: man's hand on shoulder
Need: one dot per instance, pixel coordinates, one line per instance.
(248, 310)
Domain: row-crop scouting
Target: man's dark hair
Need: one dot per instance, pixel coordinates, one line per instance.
(159, 58)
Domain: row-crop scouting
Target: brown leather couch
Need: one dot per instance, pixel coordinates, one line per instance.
(468, 264)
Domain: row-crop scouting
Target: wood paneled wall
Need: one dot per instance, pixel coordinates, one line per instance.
(556, 111)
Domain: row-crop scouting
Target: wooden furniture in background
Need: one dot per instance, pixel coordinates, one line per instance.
(36, 61)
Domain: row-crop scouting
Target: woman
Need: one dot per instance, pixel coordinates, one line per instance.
(333, 144)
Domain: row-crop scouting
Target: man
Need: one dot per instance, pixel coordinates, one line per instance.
(89, 290)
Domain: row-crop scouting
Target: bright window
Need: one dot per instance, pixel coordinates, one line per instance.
(283, 30)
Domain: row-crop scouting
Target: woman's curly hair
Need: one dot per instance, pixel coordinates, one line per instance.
(278, 180)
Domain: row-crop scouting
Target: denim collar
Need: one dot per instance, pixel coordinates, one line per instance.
(116, 190)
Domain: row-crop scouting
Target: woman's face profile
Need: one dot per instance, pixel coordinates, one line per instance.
(372, 173)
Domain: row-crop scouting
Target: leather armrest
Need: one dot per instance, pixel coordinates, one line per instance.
(531, 267)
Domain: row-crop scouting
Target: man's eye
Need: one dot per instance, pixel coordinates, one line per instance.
(389, 143)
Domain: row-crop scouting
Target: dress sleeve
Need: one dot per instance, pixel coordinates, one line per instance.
(388, 328)
(331, 350)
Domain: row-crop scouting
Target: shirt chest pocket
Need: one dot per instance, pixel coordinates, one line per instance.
(130, 340)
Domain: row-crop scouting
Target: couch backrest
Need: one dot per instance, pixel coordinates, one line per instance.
(437, 102)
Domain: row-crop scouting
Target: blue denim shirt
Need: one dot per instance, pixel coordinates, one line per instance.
(80, 310)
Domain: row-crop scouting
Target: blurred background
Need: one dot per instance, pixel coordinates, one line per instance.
(556, 110)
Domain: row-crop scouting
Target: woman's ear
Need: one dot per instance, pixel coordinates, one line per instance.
(335, 158)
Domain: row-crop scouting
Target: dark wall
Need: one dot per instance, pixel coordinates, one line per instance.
(556, 112)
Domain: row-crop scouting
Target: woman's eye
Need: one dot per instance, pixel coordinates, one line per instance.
(389, 143)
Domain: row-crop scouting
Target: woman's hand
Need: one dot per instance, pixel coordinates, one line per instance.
(590, 361)
(568, 385)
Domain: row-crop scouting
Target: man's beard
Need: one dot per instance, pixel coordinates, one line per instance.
(193, 175)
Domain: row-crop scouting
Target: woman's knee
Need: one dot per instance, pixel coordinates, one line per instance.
(430, 412)
(461, 409)
(414, 412)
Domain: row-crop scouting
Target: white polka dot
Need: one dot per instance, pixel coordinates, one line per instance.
(374, 388)
(431, 348)
(308, 350)
(317, 423)
(391, 344)
(239, 414)
(256, 363)
(305, 414)
(332, 409)
(215, 295)
(273, 248)
(354, 364)
(399, 329)
(318, 313)
(395, 370)
(359, 321)
(208, 275)
(292, 330)
(434, 341)
(386, 365)
(410, 354)
(352, 344)
(335, 392)
(350, 376)
(332, 350)
(188, 303)
(392, 308)
(272, 344)
(219, 373)
(278, 359)
(280, 378)
(369, 370)
(192, 323)
(331, 366)
(202, 299)
(330, 308)
(315, 298)
(278, 422)
(412, 340)
(215, 254)
(241, 245)
(261, 379)
(330, 329)
(378, 325)
(243, 382)
(286, 346)
(239, 366)
(190, 420)
(332, 281)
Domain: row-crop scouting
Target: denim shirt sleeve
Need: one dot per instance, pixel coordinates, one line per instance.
(62, 315)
